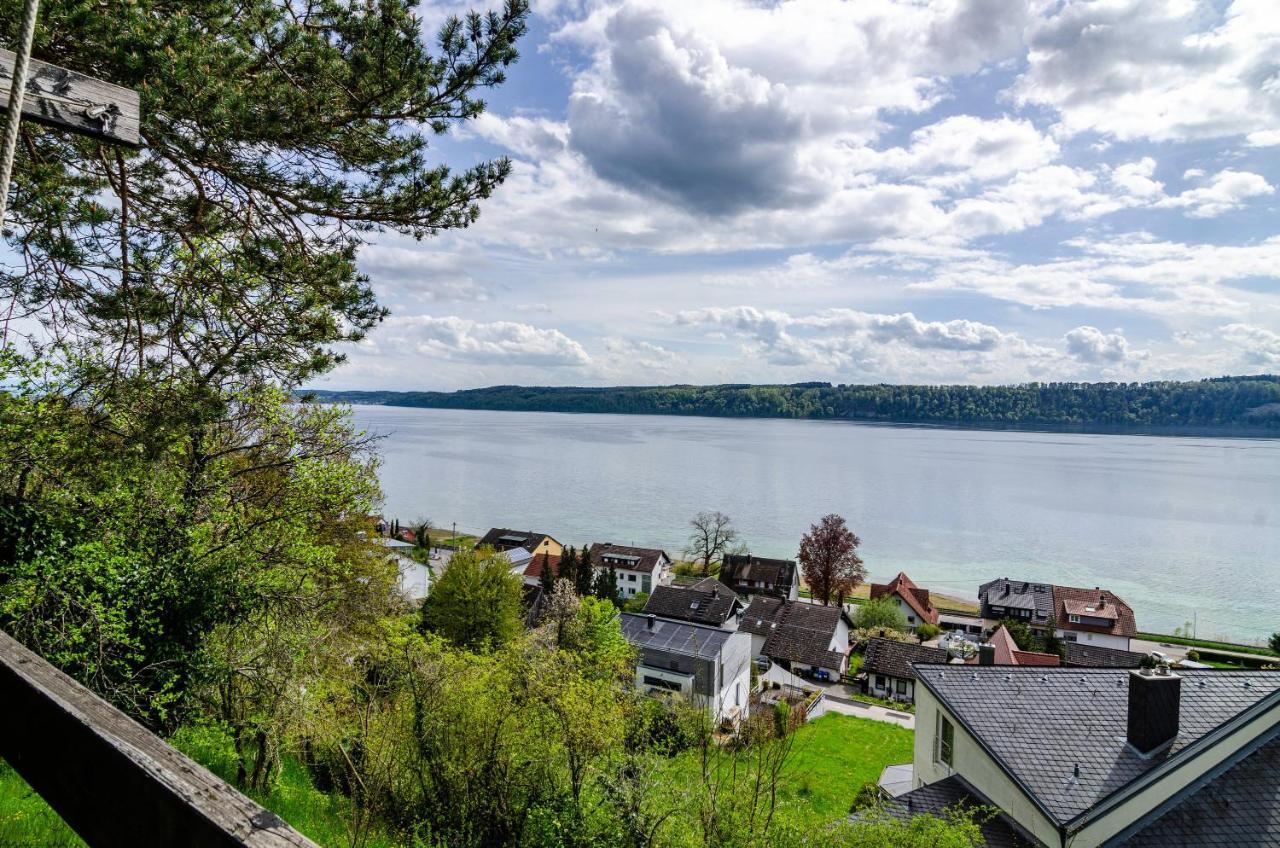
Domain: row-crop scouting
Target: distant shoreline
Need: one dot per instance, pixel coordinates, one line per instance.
(474, 400)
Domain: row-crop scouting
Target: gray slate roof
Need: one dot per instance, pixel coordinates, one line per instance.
(1239, 809)
(887, 656)
(706, 602)
(1090, 656)
(677, 637)
(796, 631)
(741, 569)
(626, 556)
(950, 793)
(1041, 722)
(1021, 595)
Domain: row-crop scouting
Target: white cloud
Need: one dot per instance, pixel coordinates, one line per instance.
(1263, 138)
(1166, 71)
(461, 339)
(1260, 346)
(1226, 190)
(1092, 346)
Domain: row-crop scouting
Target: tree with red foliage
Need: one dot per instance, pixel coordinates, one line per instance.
(829, 559)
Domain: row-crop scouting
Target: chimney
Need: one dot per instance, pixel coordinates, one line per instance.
(1154, 701)
(649, 620)
(986, 655)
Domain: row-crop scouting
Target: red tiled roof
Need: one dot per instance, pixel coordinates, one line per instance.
(535, 566)
(1007, 652)
(1068, 597)
(1033, 658)
(915, 597)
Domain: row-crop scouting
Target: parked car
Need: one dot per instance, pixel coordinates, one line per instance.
(1161, 657)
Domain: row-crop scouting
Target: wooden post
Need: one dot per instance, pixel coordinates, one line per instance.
(113, 781)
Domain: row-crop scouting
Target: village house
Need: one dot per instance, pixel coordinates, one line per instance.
(501, 539)
(1000, 649)
(1087, 757)
(532, 574)
(1094, 617)
(519, 559)
(750, 575)
(1016, 599)
(888, 666)
(639, 570)
(708, 602)
(806, 639)
(912, 600)
(705, 665)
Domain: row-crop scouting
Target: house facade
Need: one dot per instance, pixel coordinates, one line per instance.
(802, 638)
(707, 666)
(889, 670)
(1016, 599)
(912, 601)
(1103, 757)
(750, 575)
(1093, 617)
(639, 570)
(502, 539)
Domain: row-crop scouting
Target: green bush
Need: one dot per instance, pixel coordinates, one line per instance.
(927, 631)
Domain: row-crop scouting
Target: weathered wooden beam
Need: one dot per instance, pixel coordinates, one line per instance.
(114, 782)
(69, 100)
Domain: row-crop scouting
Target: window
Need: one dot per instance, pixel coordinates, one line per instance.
(911, 619)
(902, 687)
(1073, 618)
(650, 680)
(1070, 637)
(946, 740)
(879, 681)
(737, 694)
(631, 578)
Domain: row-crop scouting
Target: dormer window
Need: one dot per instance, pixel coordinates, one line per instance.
(1074, 619)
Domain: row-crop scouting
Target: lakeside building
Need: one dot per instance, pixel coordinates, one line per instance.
(888, 664)
(1017, 599)
(502, 539)
(750, 575)
(639, 570)
(1093, 616)
(1101, 757)
(705, 665)
(912, 600)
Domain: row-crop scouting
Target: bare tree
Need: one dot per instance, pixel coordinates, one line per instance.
(422, 532)
(829, 559)
(712, 534)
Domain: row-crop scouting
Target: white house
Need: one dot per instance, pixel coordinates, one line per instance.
(801, 637)
(1093, 617)
(639, 570)
(705, 665)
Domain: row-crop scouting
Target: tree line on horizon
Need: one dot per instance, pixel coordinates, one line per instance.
(1249, 403)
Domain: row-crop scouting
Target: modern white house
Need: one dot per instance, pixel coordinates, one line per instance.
(704, 665)
(639, 570)
(1088, 757)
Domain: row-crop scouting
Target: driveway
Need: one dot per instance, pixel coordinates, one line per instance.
(861, 709)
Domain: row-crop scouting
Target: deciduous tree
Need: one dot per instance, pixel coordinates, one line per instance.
(829, 559)
(475, 602)
(711, 535)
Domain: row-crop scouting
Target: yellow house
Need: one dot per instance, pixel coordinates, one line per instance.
(501, 539)
(1101, 757)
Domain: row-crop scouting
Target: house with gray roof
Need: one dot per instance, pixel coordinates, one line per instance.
(639, 570)
(1017, 599)
(1087, 757)
(705, 665)
(888, 665)
(750, 575)
(707, 602)
(801, 637)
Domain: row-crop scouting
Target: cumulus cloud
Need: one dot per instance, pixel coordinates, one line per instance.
(461, 339)
(1164, 71)
(1091, 345)
(1225, 191)
(964, 148)
(1260, 346)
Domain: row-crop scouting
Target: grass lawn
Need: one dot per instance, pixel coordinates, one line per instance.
(834, 755)
(25, 819)
(1209, 644)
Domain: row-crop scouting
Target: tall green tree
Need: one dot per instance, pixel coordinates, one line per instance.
(475, 602)
(569, 566)
(547, 577)
(606, 584)
(881, 613)
(586, 577)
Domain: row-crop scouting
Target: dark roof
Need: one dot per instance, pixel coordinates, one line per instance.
(1018, 594)
(741, 569)
(677, 637)
(635, 559)
(955, 793)
(797, 631)
(1240, 807)
(1090, 656)
(914, 596)
(1039, 723)
(503, 539)
(1108, 605)
(887, 656)
(706, 602)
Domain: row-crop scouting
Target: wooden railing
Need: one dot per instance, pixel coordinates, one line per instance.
(113, 781)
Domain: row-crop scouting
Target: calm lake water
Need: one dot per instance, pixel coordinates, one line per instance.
(1181, 528)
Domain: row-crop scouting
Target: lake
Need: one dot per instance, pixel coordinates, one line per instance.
(1182, 528)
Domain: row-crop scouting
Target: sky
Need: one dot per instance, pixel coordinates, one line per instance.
(961, 191)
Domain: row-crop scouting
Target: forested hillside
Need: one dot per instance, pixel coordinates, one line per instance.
(1227, 404)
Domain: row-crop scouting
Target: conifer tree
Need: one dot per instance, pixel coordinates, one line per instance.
(569, 566)
(586, 574)
(547, 577)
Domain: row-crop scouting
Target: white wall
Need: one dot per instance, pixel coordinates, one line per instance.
(1097, 640)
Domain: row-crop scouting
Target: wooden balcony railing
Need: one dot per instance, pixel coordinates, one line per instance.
(113, 781)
